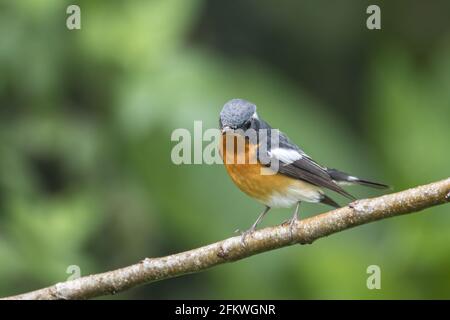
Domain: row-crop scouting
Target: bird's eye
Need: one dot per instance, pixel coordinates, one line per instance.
(247, 124)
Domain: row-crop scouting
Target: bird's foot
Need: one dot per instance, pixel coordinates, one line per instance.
(244, 234)
(293, 221)
(292, 225)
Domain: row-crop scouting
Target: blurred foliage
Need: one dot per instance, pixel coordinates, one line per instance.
(86, 118)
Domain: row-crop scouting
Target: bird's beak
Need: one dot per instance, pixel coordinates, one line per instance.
(226, 129)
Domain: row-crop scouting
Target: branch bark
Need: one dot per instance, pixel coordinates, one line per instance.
(304, 232)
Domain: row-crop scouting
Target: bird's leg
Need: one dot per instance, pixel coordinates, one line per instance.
(294, 218)
(253, 227)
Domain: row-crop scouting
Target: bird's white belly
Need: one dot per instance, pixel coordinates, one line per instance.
(298, 191)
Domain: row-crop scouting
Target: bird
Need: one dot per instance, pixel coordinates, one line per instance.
(295, 178)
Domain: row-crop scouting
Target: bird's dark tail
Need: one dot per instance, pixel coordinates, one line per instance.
(327, 200)
(344, 178)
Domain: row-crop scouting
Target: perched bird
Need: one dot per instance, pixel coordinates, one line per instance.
(297, 176)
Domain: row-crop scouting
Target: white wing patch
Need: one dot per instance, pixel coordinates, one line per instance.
(285, 155)
(351, 180)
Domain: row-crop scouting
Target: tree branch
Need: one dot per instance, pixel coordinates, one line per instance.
(304, 232)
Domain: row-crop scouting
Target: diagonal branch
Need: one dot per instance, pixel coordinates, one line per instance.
(304, 232)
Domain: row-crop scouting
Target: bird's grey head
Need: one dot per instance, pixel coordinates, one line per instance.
(237, 114)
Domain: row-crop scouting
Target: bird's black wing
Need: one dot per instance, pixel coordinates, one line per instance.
(306, 169)
(295, 163)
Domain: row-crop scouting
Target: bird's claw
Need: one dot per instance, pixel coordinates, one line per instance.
(292, 223)
(245, 234)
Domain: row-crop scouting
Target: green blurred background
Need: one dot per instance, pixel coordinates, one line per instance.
(86, 117)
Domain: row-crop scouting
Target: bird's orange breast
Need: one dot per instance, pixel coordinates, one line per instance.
(247, 176)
